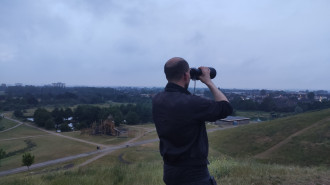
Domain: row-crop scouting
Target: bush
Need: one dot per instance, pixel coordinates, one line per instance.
(27, 160)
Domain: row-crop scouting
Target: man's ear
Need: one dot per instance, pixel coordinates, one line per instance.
(186, 76)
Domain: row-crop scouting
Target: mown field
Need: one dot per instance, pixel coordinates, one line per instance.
(303, 160)
(42, 145)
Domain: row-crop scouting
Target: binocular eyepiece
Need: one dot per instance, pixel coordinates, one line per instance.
(196, 72)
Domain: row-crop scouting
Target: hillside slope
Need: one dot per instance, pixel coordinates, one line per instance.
(303, 139)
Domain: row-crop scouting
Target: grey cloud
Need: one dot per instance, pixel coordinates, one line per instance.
(96, 42)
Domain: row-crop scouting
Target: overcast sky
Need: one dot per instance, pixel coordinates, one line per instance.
(263, 44)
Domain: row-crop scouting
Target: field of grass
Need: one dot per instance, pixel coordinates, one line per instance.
(133, 131)
(5, 124)
(309, 148)
(249, 140)
(46, 148)
(147, 169)
(21, 131)
(41, 144)
(304, 160)
(102, 139)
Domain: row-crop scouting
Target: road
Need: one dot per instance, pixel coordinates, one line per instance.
(69, 158)
(102, 152)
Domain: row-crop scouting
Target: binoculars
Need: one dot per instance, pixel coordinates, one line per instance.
(195, 73)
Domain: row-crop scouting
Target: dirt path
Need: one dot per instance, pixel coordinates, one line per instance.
(268, 152)
(67, 137)
(54, 133)
(19, 124)
(103, 152)
(131, 143)
(99, 153)
(127, 144)
(141, 135)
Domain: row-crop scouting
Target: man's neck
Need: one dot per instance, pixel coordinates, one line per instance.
(180, 83)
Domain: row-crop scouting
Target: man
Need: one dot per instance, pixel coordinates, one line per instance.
(180, 122)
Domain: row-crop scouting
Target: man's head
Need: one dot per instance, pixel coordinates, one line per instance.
(177, 71)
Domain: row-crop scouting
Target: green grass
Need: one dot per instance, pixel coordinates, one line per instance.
(21, 131)
(102, 139)
(147, 152)
(147, 136)
(249, 140)
(134, 131)
(144, 171)
(143, 164)
(6, 124)
(309, 148)
(231, 171)
(47, 147)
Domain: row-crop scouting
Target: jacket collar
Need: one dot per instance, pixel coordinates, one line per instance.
(172, 87)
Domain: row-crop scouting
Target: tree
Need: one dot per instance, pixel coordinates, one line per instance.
(298, 109)
(50, 124)
(65, 127)
(68, 113)
(41, 116)
(27, 159)
(144, 111)
(267, 104)
(58, 115)
(118, 117)
(18, 113)
(263, 92)
(311, 96)
(132, 118)
(87, 114)
(30, 99)
(2, 154)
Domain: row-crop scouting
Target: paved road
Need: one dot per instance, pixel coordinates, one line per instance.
(106, 150)
(69, 158)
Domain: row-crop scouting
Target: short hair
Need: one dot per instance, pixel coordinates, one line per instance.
(174, 71)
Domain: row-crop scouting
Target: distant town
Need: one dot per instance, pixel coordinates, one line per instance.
(20, 96)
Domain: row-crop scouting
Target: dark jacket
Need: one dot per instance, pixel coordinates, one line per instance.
(180, 122)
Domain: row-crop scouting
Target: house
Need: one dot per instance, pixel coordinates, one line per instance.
(71, 126)
(233, 120)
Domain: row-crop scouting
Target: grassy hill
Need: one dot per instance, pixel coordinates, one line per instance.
(146, 169)
(311, 147)
(302, 159)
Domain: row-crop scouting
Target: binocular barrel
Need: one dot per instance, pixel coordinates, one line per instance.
(196, 72)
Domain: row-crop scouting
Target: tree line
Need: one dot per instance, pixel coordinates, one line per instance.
(83, 116)
(270, 103)
(24, 97)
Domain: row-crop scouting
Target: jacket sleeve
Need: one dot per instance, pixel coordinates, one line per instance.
(209, 110)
